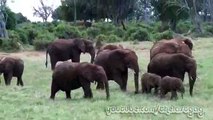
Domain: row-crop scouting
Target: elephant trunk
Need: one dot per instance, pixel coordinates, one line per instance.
(136, 69)
(92, 54)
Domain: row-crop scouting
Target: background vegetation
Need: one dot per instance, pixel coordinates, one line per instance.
(108, 21)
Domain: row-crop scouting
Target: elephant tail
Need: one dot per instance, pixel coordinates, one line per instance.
(46, 58)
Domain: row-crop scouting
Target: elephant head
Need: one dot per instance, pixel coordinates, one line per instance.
(80, 45)
(191, 68)
(131, 61)
(96, 73)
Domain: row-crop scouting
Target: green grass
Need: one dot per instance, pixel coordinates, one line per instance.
(32, 101)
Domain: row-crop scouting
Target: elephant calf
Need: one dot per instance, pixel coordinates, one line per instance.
(12, 67)
(68, 76)
(171, 84)
(149, 81)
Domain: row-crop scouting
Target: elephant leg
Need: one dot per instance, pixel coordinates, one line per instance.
(118, 79)
(174, 94)
(124, 78)
(54, 90)
(76, 58)
(19, 81)
(162, 93)
(148, 89)
(87, 90)
(8, 78)
(100, 85)
(68, 94)
(156, 90)
(53, 60)
(143, 89)
(191, 85)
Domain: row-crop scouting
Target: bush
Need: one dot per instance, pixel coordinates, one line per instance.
(119, 32)
(93, 32)
(101, 38)
(140, 35)
(65, 31)
(23, 36)
(10, 45)
(113, 38)
(183, 27)
(43, 40)
(130, 32)
(163, 35)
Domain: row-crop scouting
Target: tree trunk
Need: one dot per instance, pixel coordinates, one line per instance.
(196, 19)
(3, 31)
(75, 12)
(173, 25)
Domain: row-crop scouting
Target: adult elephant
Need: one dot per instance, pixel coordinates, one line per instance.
(116, 63)
(110, 47)
(172, 46)
(68, 76)
(62, 50)
(174, 65)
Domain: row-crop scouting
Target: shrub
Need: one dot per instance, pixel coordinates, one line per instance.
(101, 38)
(10, 45)
(183, 27)
(43, 40)
(66, 31)
(23, 36)
(113, 38)
(119, 32)
(163, 35)
(129, 33)
(140, 35)
(93, 32)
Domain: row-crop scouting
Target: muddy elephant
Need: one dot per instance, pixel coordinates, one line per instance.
(174, 65)
(172, 46)
(12, 67)
(62, 50)
(69, 76)
(171, 84)
(110, 47)
(116, 63)
(149, 81)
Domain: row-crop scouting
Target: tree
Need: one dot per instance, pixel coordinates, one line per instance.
(43, 11)
(170, 11)
(3, 19)
(20, 18)
(11, 19)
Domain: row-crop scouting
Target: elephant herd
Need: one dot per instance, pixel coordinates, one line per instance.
(169, 61)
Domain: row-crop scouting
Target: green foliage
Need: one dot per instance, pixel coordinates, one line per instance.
(43, 40)
(140, 35)
(101, 38)
(11, 19)
(183, 27)
(93, 32)
(66, 31)
(113, 38)
(168, 34)
(12, 43)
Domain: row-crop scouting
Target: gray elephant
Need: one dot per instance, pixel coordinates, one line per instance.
(171, 84)
(68, 76)
(62, 50)
(12, 67)
(149, 81)
(116, 63)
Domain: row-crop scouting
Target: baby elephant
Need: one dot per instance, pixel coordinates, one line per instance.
(149, 81)
(171, 84)
(12, 67)
(68, 76)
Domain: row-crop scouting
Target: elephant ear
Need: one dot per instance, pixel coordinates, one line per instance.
(189, 43)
